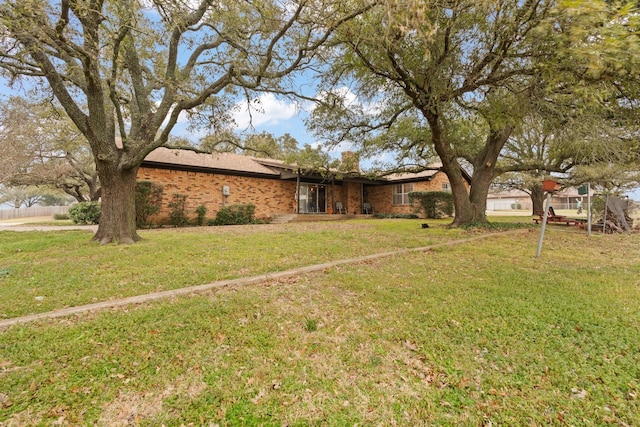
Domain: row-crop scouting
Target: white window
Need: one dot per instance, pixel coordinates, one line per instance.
(446, 187)
(401, 193)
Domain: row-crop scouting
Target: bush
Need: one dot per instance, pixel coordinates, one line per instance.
(148, 201)
(85, 213)
(236, 214)
(201, 212)
(433, 204)
(60, 216)
(395, 216)
(178, 217)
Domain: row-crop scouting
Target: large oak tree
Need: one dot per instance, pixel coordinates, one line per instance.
(125, 70)
(457, 78)
(439, 64)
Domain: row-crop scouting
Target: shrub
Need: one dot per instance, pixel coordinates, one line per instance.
(60, 216)
(201, 212)
(394, 216)
(178, 217)
(434, 204)
(85, 213)
(236, 214)
(148, 201)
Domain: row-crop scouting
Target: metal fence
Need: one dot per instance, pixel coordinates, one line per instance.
(14, 213)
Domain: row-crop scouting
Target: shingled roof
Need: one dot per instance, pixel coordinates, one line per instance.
(214, 161)
(248, 165)
(408, 176)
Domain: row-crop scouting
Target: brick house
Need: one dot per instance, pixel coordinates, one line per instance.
(221, 179)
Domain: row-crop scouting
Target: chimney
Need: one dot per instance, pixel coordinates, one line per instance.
(350, 162)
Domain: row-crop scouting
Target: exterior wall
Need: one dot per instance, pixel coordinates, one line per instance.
(334, 194)
(270, 196)
(352, 197)
(381, 197)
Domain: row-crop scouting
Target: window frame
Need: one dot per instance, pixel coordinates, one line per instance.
(400, 193)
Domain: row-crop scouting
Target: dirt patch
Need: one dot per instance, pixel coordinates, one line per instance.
(23, 418)
(131, 408)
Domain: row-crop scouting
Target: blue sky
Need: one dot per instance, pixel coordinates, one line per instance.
(273, 115)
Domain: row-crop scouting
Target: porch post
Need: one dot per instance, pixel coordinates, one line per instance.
(297, 208)
(333, 192)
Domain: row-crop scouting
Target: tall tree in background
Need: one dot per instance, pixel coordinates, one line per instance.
(125, 70)
(589, 147)
(261, 144)
(29, 196)
(587, 128)
(221, 141)
(42, 148)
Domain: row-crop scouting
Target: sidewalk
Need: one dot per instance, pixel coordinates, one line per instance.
(23, 224)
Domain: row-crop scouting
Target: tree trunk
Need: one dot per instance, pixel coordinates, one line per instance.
(94, 188)
(480, 184)
(118, 207)
(464, 210)
(469, 206)
(484, 169)
(537, 199)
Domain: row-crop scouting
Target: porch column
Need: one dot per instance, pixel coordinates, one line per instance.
(296, 210)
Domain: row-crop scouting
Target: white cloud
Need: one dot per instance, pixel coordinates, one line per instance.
(265, 110)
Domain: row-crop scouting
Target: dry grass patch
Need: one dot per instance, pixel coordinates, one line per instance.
(130, 408)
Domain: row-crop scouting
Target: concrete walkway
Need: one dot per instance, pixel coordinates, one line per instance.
(139, 299)
(26, 227)
(30, 224)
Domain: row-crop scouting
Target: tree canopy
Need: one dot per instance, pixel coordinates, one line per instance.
(124, 71)
(261, 144)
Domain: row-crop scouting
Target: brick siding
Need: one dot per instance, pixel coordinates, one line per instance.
(381, 197)
(270, 196)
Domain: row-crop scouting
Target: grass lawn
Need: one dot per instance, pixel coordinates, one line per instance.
(44, 271)
(479, 333)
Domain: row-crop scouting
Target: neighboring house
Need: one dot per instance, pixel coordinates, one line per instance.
(222, 179)
(517, 199)
(508, 200)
